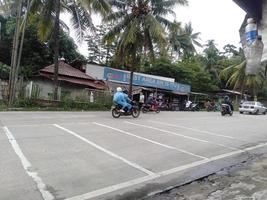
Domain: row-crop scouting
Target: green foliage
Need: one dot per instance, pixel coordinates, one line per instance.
(35, 54)
(66, 105)
(74, 105)
(187, 71)
(4, 71)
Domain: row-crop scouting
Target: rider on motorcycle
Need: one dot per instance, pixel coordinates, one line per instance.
(150, 102)
(228, 102)
(122, 99)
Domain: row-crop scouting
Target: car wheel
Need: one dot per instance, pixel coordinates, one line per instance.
(241, 112)
(264, 112)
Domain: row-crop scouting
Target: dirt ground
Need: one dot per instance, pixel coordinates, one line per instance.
(247, 181)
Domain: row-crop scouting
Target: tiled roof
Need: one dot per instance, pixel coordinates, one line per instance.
(70, 74)
(66, 70)
(94, 84)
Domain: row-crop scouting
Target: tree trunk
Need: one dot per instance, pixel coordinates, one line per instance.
(131, 83)
(21, 42)
(12, 74)
(56, 48)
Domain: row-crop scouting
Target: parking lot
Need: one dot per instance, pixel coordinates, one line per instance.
(90, 155)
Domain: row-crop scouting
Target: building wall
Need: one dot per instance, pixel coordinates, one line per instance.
(97, 72)
(66, 90)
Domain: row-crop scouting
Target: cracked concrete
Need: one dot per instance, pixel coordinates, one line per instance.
(246, 181)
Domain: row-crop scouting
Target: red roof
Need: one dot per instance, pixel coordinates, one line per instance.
(66, 70)
(70, 74)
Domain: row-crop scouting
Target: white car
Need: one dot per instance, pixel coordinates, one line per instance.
(252, 107)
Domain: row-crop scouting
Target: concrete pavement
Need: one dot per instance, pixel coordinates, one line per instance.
(90, 155)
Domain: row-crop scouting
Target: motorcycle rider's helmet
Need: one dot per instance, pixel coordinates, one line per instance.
(226, 98)
(119, 89)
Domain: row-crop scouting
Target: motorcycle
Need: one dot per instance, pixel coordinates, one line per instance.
(150, 108)
(192, 107)
(226, 109)
(134, 111)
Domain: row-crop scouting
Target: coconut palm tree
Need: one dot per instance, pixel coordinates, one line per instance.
(48, 14)
(139, 25)
(194, 37)
(183, 40)
(237, 79)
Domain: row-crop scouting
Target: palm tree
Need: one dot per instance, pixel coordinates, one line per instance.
(139, 25)
(15, 47)
(194, 37)
(183, 40)
(211, 58)
(237, 79)
(178, 39)
(48, 14)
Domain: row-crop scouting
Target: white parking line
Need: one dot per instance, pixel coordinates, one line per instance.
(136, 166)
(151, 141)
(27, 165)
(192, 129)
(113, 188)
(181, 135)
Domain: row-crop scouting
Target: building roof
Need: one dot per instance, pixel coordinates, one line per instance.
(251, 7)
(72, 75)
(66, 70)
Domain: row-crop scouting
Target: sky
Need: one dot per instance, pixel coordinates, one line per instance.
(219, 20)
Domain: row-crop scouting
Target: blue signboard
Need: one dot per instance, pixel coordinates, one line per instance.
(124, 77)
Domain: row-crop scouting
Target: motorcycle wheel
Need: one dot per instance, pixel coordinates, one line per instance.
(144, 110)
(135, 112)
(115, 113)
(157, 111)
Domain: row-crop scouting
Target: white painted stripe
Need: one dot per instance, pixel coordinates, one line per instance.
(181, 135)
(26, 165)
(165, 131)
(136, 166)
(134, 182)
(151, 141)
(192, 129)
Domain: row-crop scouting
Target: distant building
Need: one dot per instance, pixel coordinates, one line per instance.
(115, 77)
(170, 94)
(72, 81)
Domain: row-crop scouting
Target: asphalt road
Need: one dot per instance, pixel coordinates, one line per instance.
(90, 155)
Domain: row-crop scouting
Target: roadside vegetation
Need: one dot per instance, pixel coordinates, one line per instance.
(134, 35)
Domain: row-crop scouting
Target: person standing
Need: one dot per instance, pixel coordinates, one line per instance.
(141, 99)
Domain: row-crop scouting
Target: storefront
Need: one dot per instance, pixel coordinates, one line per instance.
(170, 93)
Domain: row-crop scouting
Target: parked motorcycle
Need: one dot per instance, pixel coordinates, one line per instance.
(192, 107)
(226, 109)
(134, 111)
(150, 108)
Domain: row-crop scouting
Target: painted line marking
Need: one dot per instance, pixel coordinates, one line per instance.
(151, 141)
(46, 195)
(134, 182)
(195, 130)
(192, 129)
(181, 135)
(136, 166)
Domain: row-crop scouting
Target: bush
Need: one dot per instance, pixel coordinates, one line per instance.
(67, 105)
(74, 105)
